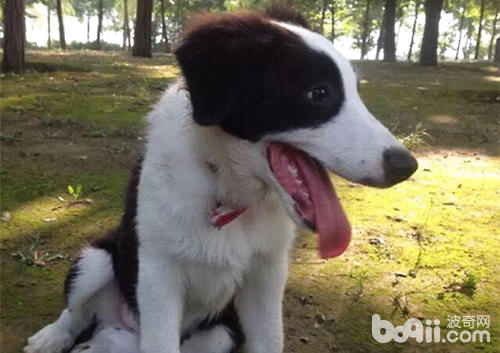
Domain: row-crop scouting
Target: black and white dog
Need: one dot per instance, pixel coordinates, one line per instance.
(235, 149)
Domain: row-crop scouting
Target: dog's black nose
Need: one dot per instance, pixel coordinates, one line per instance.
(399, 165)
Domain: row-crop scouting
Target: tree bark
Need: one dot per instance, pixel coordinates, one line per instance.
(428, 53)
(480, 31)
(323, 15)
(100, 15)
(49, 40)
(14, 36)
(466, 50)
(142, 35)
(389, 31)
(333, 11)
(380, 40)
(166, 45)
(62, 39)
(414, 29)
(366, 30)
(460, 30)
(88, 28)
(496, 58)
(126, 28)
(493, 35)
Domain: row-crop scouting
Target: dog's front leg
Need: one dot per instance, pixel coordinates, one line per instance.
(259, 304)
(160, 300)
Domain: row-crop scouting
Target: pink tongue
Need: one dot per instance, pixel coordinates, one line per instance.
(329, 217)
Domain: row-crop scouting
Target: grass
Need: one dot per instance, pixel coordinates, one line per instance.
(427, 248)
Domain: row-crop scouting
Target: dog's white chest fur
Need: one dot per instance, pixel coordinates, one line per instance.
(179, 189)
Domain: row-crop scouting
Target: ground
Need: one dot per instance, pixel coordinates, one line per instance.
(427, 248)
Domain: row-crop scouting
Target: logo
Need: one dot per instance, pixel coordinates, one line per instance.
(384, 331)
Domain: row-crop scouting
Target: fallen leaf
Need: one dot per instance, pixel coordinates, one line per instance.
(6, 217)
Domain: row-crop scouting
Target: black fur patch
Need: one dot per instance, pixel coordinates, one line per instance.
(121, 243)
(250, 76)
(73, 272)
(229, 318)
(125, 261)
(279, 11)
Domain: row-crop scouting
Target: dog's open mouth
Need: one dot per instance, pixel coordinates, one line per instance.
(315, 200)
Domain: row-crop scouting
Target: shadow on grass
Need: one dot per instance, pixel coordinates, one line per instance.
(52, 67)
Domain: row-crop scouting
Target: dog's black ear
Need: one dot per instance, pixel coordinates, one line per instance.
(280, 11)
(221, 58)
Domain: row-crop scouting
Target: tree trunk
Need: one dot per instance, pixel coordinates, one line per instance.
(479, 32)
(493, 35)
(62, 39)
(460, 29)
(100, 15)
(333, 11)
(126, 30)
(166, 45)
(496, 58)
(49, 41)
(380, 40)
(389, 31)
(14, 36)
(88, 28)
(467, 45)
(142, 35)
(414, 29)
(323, 15)
(428, 53)
(129, 41)
(366, 30)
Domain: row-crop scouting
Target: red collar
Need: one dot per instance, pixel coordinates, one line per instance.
(223, 215)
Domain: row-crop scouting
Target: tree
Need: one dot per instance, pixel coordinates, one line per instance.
(50, 4)
(493, 33)
(142, 34)
(496, 58)
(389, 33)
(467, 49)
(428, 52)
(164, 35)
(380, 40)
(126, 25)
(401, 14)
(49, 41)
(100, 15)
(460, 28)
(414, 29)
(333, 13)
(323, 15)
(88, 29)
(480, 31)
(84, 10)
(14, 36)
(366, 30)
(62, 39)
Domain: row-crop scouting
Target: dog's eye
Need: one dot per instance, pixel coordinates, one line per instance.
(319, 94)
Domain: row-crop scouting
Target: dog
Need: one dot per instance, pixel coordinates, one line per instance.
(236, 157)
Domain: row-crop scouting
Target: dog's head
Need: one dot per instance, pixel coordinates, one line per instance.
(269, 80)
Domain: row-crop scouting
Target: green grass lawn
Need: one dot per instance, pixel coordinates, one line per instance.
(427, 248)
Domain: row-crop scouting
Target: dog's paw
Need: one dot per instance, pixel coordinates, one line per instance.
(50, 339)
